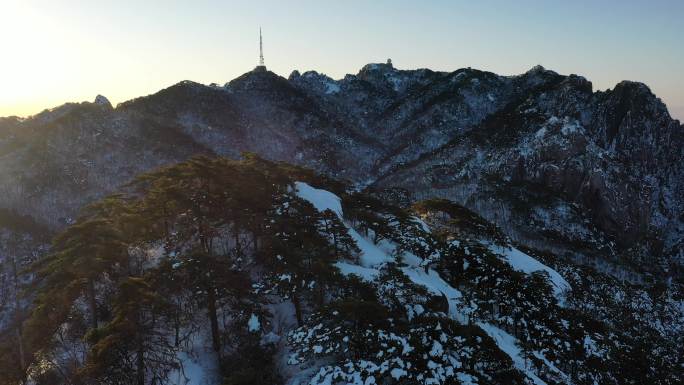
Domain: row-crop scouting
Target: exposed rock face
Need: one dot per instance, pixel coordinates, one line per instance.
(594, 174)
(609, 157)
(103, 101)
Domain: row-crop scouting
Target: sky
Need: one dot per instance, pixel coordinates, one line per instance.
(56, 51)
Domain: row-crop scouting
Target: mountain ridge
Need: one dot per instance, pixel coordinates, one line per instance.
(394, 226)
(374, 126)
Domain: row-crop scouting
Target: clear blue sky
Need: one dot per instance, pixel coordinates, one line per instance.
(70, 50)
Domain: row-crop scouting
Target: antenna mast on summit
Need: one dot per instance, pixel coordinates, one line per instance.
(261, 67)
(261, 50)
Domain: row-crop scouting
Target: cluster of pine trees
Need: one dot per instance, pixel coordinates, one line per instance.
(188, 250)
(606, 332)
(197, 258)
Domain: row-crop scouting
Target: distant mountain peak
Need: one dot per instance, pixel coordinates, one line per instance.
(257, 80)
(538, 69)
(376, 67)
(102, 101)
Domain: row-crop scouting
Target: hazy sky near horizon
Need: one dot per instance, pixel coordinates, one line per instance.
(54, 51)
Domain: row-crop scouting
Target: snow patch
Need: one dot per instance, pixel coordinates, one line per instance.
(398, 373)
(321, 199)
(371, 254)
(198, 365)
(436, 285)
(541, 133)
(508, 344)
(365, 273)
(254, 325)
(523, 262)
(332, 88)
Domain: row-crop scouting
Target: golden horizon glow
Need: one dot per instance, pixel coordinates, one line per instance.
(58, 51)
(51, 61)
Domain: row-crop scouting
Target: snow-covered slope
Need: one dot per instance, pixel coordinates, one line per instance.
(371, 261)
(536, 356)
(303, 280)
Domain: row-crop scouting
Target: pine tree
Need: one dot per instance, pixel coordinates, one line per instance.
(214, 283)
(135, 346)
(300, 255)
(82, 254)
(342, 244)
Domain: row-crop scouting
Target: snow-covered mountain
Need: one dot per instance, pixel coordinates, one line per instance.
(540, 154)
(586, 187)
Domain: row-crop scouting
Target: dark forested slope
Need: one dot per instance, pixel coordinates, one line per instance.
(254, 272)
